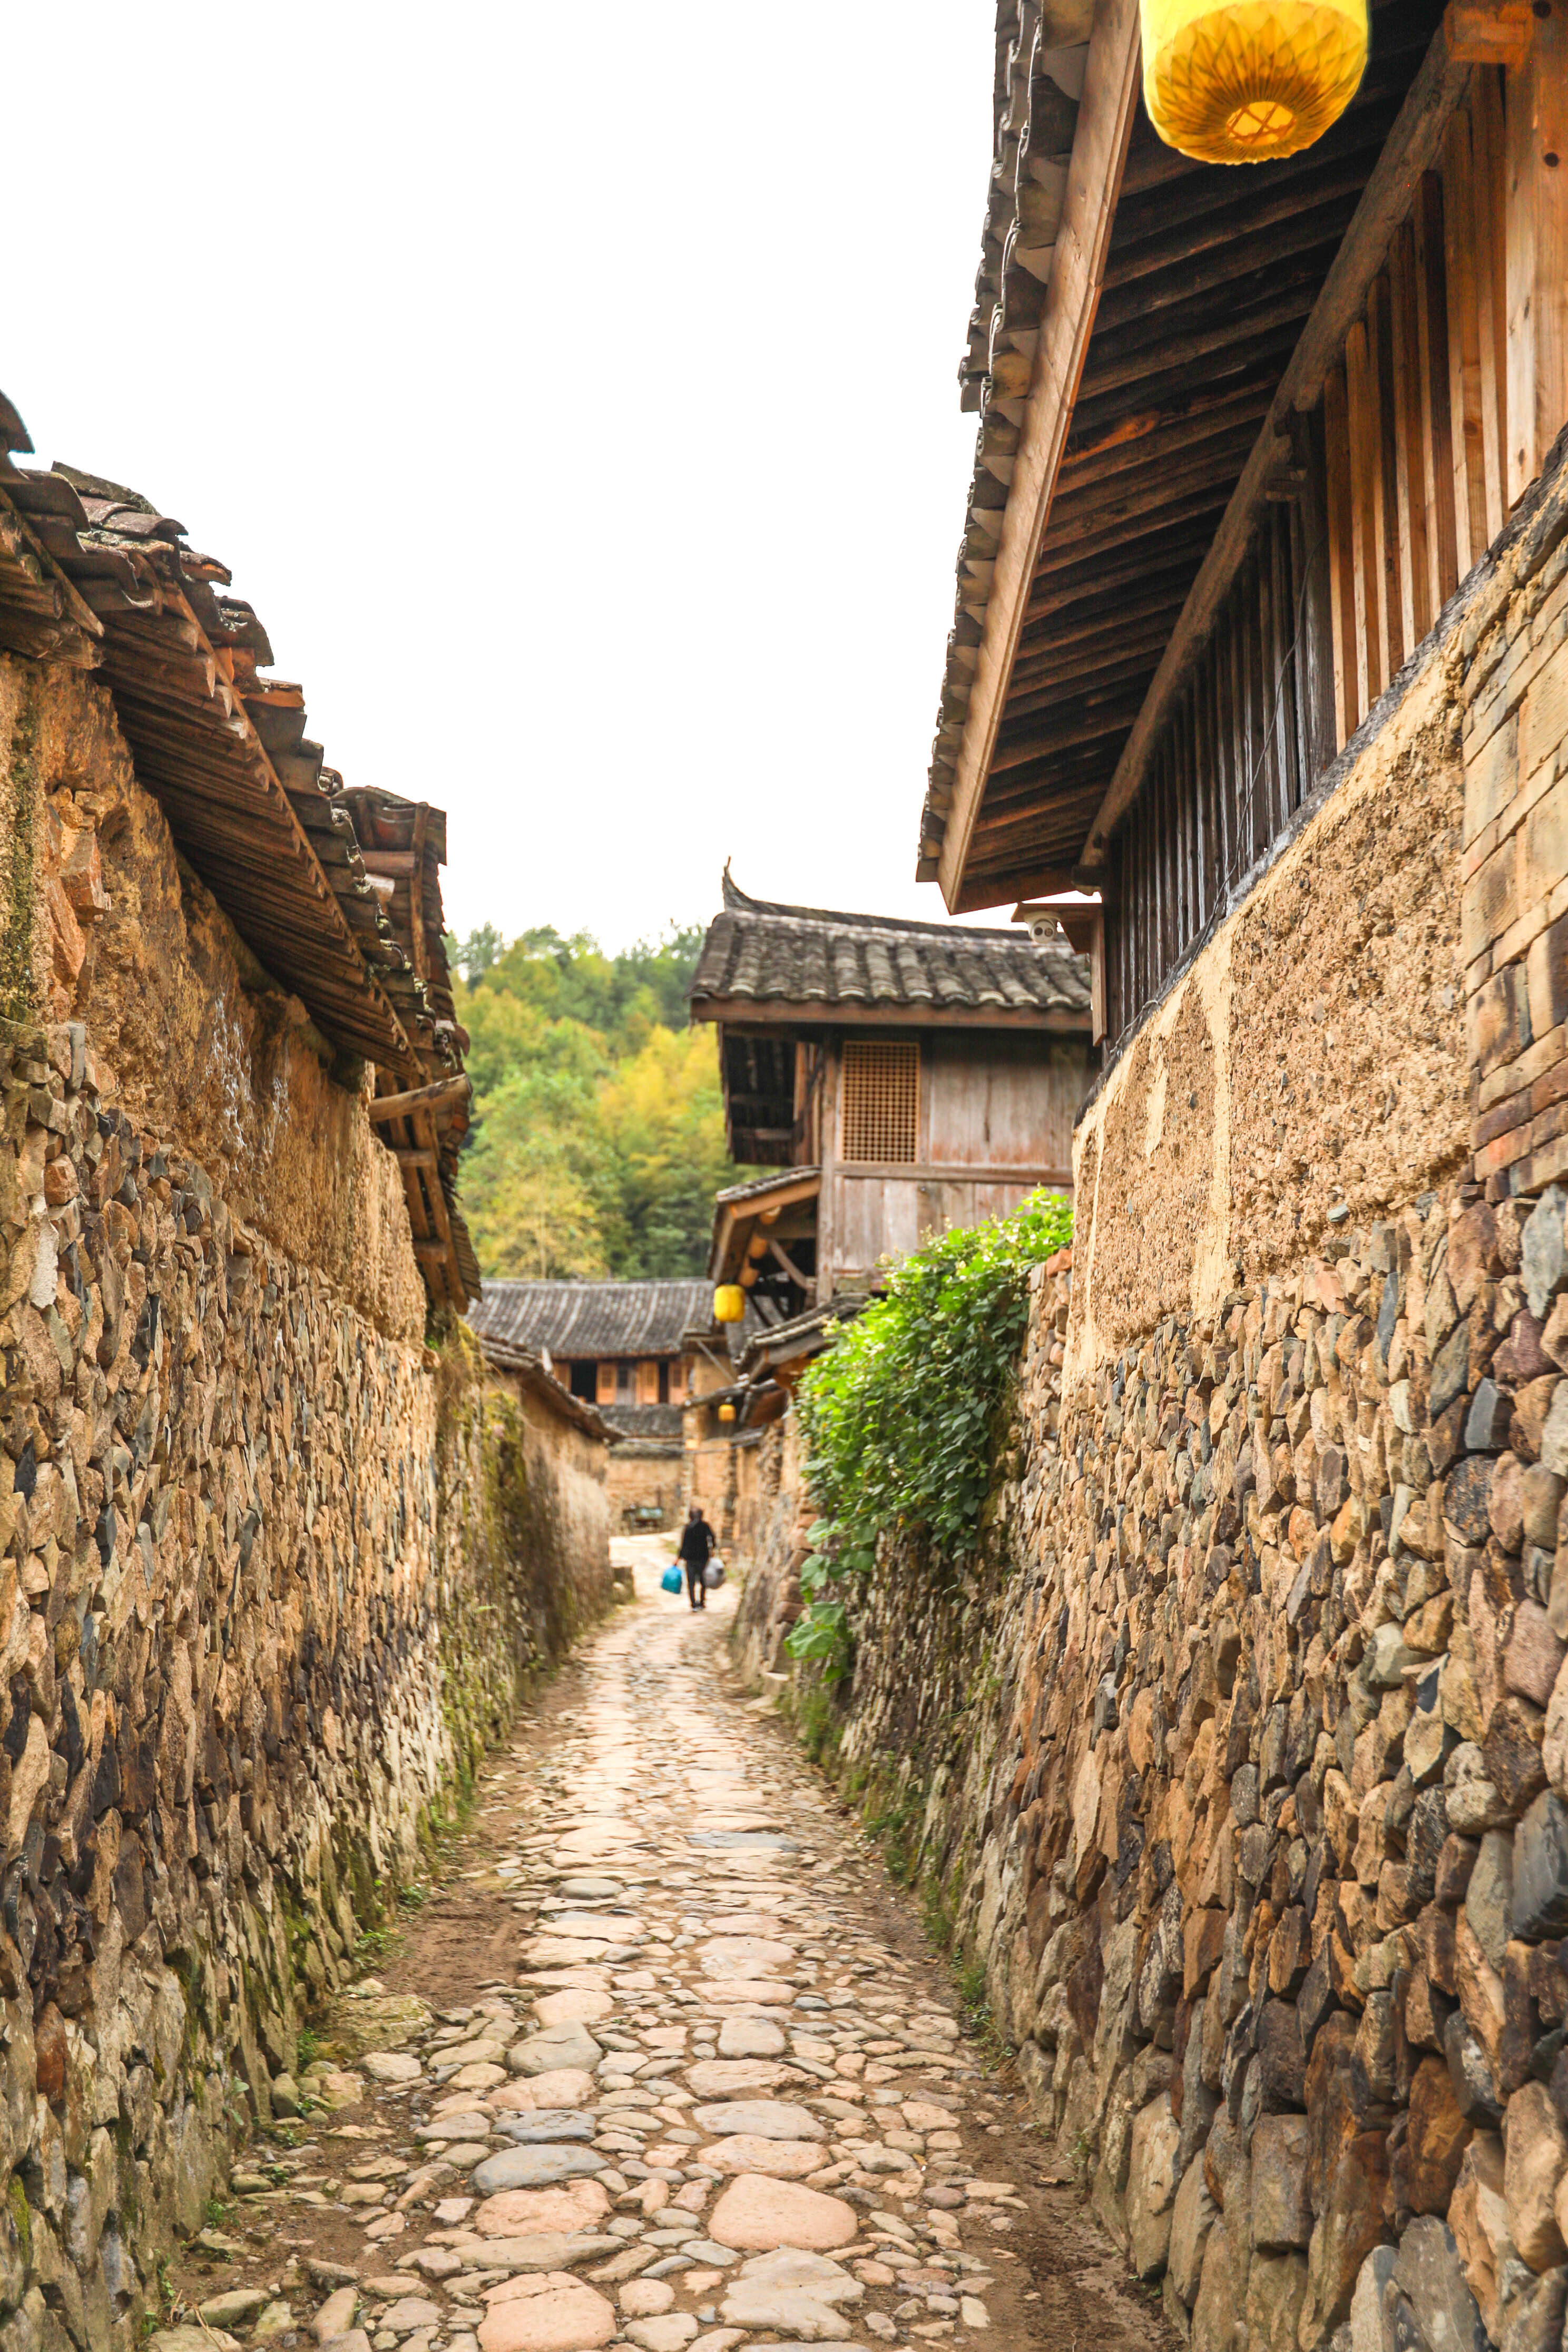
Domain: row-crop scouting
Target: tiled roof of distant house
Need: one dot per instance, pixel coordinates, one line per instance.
(758, 952)
(593, 1318)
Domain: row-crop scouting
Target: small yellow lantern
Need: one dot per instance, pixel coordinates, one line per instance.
(1244, 82)
(728, 1303)
(726, 1413)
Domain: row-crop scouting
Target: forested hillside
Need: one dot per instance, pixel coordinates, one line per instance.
(598, 1135)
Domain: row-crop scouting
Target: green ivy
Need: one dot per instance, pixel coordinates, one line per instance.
(900, 1414)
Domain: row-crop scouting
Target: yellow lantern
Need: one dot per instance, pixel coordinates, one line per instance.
(728, 1303)
(1244, 82)
(726, 1413)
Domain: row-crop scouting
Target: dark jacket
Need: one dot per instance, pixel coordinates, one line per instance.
(697, 1541)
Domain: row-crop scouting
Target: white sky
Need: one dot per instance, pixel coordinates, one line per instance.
(572, 389)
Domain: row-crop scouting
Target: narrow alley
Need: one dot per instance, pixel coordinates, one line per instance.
(665, 2063)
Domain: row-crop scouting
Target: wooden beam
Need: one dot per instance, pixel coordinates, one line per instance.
(1072, 299)
(447, 1094)
(802, 1281)
(1414, 144)
(1536, 201)
(1491, 32)
(416, 893)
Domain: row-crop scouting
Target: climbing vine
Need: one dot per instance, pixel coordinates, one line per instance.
(899, 1415)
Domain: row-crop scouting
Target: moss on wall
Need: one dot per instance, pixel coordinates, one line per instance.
(20, 809)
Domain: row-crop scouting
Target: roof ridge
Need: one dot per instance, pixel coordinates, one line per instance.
(594, 1281)
(737, 902)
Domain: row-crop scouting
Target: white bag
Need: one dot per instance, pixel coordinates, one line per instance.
(714, 1573)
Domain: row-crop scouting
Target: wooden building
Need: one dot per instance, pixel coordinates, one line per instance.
(638, 1352)
(624, 1346)
(1243, 435)
(902, 1077)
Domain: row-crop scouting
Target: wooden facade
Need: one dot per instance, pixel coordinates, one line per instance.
(1390, 487)
(908, 1078)
(1305, 401)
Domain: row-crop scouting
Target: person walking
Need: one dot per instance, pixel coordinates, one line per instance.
(697, 1542)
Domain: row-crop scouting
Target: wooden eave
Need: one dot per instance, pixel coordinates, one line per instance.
(423, 1128)
(743, 1014)
(92, 574)
(1181, 299)
(734, 1219)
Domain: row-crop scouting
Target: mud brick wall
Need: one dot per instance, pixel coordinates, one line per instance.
(271, 1568)
(642, 1472)
(1515, 923)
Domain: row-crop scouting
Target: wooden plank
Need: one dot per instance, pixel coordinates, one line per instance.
(1282, 694)
(1415, 140)
(1489, 166)
(416, 892)
(1536, 206)
(1225, 796)
(1072, 299)
(1342, 558)
(1371, 637)
(1386, 484)
(1437, 413)
(1464, 345)
(1416, 609)
(1214, 848)
(1309, 443)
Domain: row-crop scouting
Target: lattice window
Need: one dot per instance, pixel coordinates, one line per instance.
(881, 1100)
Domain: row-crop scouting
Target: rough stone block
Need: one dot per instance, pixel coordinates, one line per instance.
(1544, 1263)
(1281, 2210)
(1438, 2134)
(1500, 1019)
(1152, 2185)
(1478, 2218)
(1215, 2312)
(1193, 2216)
(1536, 2159)
(1541, 1869)
(1489, 1898)
(1429, 2273)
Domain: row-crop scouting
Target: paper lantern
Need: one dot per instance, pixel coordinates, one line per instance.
(728, 1303)
(1243, 83)
(726, 1413)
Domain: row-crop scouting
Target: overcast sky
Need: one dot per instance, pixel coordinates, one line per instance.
(572, 389)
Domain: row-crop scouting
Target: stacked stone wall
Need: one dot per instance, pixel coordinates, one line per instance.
(1239, 1756)
(770, 1599)
(272, 1569)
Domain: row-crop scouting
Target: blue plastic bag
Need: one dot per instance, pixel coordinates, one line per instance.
(672, 1581)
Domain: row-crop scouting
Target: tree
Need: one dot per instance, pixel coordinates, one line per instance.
(529, 1203)
(597, 1139)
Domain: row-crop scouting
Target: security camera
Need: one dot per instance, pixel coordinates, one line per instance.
(1043, 929)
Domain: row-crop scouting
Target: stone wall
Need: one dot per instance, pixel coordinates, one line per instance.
(721, 1473)
(1239, 1759)
(769, 1601)
(642, 1472)
(271, 1570)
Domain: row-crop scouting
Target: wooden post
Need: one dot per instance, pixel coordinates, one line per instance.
(1536, 110)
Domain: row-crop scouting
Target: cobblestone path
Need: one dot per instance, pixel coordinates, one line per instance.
(667, 2064)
